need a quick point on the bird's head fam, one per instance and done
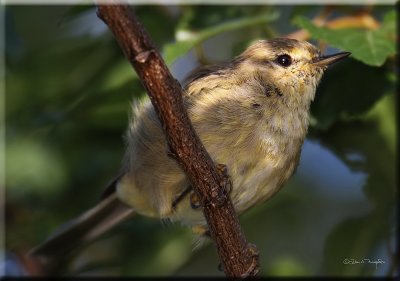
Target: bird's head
(293, 67)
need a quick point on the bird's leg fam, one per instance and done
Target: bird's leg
(227, 183)
(220, 198)
(194, 198)
(181, 196)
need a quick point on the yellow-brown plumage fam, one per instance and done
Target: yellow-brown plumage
(251, 114)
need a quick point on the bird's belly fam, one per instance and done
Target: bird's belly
(259, 184)
(252, 182)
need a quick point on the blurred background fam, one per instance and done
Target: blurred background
(68, 95)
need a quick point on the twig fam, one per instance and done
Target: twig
(238, 258)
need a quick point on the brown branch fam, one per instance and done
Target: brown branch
(238, 258)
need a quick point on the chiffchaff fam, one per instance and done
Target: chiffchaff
(251, 114)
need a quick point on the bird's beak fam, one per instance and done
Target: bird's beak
(328, 60)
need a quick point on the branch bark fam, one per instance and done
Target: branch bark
(238, 258)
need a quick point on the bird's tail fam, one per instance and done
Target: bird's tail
(88, 226)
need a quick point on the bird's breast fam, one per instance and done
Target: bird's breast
(265, 170)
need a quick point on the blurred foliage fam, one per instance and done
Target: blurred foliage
(68, 95)
(342, 101)
(173, 50)
(369, 46)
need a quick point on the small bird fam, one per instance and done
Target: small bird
(251, 114)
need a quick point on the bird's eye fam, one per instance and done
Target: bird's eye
(284, 60)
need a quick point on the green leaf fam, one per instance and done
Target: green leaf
(199, 17)
(173, 50)
(369, 46)
(384, 114)
(389, 22)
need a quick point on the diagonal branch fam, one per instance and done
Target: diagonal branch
(238, 258)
